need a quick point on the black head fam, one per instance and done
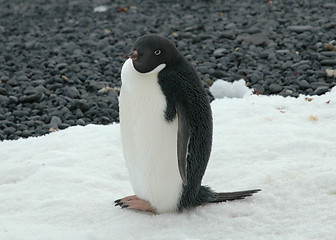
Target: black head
(152, 50)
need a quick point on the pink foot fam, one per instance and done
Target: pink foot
(133, 202)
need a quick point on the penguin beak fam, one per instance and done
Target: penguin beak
(134, 55)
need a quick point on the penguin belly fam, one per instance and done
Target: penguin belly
(149, 141)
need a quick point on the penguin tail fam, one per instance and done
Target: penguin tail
(231, 196)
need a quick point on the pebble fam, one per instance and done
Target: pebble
(80, 122)
(300, 28)
(218, 74)
(31, 98)
(20, 113)
(12, 82)
(220, 52)
(256, 76)
(321, 90)
(331, 62)
(81, 104)
(275, 88)
(228, 34)
(55, 122)
(3, 100)
(303, 84)
(71, 92)
(257, 39)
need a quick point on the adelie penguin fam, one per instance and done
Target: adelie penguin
(166, 130)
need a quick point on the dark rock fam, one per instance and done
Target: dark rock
(272, 57)
(264, 54)
(303, 67)
(220, 52)
(81, 104)
(2, 136)
(9, 130)
(300, 63)
(329, 5)
(257, 39)
(63, 126)
(258, 89)
(80, 122)
(38, 82)
(20, 113)
(12, 82)
(79, 113)
(29, 123)
(320, 90)
(71, 92)
(4, 78)
(331, 62)
(300, 29)
(228, 34)
(3, 91)
(202, 69)
(312, 80)
(316, 85)
(26, 133)
(3, 100)
(55, 122)
(22, 78)
(303, 84)
(256, 77)
(31, 98)
(74, 68)
(61, 66)
(219, 74)
(329, 53)
(275, 88)
(283, 51)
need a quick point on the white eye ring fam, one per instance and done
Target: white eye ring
(157, 52)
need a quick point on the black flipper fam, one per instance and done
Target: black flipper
(183, 138)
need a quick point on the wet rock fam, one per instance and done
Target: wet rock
(300, 29)
(220, 52)
(275, 88)
(303, 84)
(20, 113)
(320, 90)
(31, 98)
(257, 39)
(55, 122)
(71, 92)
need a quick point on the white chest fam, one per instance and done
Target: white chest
(149, 141)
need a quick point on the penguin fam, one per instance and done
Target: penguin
(166, 130)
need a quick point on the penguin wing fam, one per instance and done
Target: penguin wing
(183, 138)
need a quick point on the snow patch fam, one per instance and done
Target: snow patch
(100, 9)
(237, 89)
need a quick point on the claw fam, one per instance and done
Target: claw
(119, 203)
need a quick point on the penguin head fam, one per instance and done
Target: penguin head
(151, 51)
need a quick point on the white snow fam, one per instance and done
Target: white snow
(62, 185)
(100, 9)
(236, 89)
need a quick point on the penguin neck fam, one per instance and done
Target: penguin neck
(132, 79)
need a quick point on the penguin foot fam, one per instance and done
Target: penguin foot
(133, 202)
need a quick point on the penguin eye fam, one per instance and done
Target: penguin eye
(157, 52)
